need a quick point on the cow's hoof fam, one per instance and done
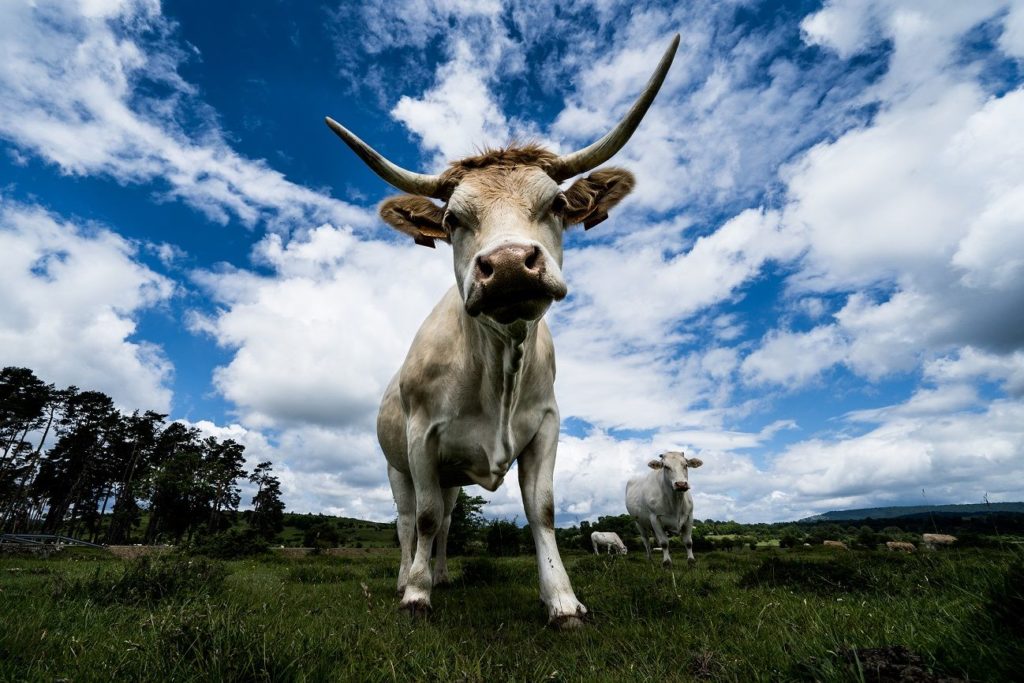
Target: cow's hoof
(442, 580)
(666, 563)
(566, 622)
(691, 560)
(416, 608)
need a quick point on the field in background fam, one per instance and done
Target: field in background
(745, 615)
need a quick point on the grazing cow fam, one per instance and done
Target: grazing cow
(931, 541)
(838, 545)
(476, 390)
(661, 499)
(608, 539)
(900, 546)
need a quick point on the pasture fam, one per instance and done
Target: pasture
(766, 614)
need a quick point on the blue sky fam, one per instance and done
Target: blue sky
(816, 286)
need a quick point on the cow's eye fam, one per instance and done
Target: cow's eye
(450, 222)
(558, 204)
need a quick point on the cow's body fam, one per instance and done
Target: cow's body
(839, 545)
(476, 390)
(660, 503)
(472, 398)
(934, 540)
(900, 546)
(609, 540)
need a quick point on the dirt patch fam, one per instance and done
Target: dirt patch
(893, 664)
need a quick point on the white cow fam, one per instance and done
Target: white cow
(608, 539)
(476, 390)
(660, 503)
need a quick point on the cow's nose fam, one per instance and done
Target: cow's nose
(508, 261)
(682, 486)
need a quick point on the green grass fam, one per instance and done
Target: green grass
(735, 616)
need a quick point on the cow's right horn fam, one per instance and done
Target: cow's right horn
(592, 156)
(406, 181)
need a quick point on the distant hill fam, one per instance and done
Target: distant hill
(896, 512)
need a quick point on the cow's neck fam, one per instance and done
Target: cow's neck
(505, 352)
(678, 498)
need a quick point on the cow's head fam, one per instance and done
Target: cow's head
(674, 466)
(504, 211)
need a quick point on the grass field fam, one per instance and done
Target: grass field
(743, 615)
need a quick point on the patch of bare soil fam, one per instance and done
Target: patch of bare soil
(893, 664)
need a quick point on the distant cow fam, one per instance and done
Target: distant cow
(607, 539)
(933, 540)
(660, 501)
(839, 545)
(900, 546)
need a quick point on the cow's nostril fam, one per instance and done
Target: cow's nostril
(484, 266)
(532, 258)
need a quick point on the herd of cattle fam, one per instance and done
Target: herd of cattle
(475, 393)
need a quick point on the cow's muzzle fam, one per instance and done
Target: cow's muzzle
(513, 282)
(681, 486)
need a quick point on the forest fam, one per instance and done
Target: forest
(74, 464)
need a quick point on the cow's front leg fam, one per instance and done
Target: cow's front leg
(441, 551)
(659, 533)
(405, 500)
(688, 537)
(536, 471)
(594, 543)
(429, 515)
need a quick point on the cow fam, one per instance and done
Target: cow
(610, 540)
(661, 498)
(931, 541)
(900, 546)
(838, 545)
(475, 393)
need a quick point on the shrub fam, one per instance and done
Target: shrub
(1006, 599)
(820, 577)
(231, 544)
(485, 572)
(502, 538)
(148, 580)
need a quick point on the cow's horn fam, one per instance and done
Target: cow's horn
(604, 149)
(406, 181)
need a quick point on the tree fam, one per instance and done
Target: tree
(467, 523)
(502, 538)
(267, 516)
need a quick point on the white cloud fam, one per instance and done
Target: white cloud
(317, 341)
(71, 76)
(71, 302)
(458, 115)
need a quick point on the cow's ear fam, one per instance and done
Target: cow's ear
(590, 199)
(656, 464)
(694, 462)
(417, 217)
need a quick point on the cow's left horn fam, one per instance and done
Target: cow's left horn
(604, 149)
(406, 181)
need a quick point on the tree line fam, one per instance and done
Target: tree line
(74, 464)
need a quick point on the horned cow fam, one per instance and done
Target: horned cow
(476, 390)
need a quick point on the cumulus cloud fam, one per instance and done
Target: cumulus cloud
(74, 77)
(72, 297)
(317, 340)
